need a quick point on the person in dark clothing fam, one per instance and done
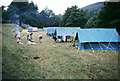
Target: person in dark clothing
(31, 35)
(55, 38)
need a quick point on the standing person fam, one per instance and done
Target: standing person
(27, 35)
(63, 38)
(16, 33)
(40, 37)
(28, 38)
(31, 35)
(19, 38)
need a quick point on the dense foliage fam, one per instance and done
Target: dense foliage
(108, 17)
(27, 13)
(74, 17)
(93, 9)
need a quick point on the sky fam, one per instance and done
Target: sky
(57, 6)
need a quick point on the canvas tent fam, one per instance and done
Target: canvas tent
(50, 31)
(34, 29)
(45, 28)
(98, 38)
(67, 31)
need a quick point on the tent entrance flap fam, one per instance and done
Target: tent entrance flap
(97, 45)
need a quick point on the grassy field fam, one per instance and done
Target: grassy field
(50, 60)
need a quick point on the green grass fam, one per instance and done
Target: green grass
(56, 60)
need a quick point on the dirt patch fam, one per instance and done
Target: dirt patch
(32, 57)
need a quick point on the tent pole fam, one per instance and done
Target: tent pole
(106, 47)
(113, 48)
(83, 48)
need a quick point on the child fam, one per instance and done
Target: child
(40, 37)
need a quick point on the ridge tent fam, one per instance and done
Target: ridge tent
(67, 32)
(50, 31)
(45, 28)
(98, 38)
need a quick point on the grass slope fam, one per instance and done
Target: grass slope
(54, 60)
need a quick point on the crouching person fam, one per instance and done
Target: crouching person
(55, 38)
(40, 37)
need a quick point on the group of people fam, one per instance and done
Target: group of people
(60, 38)
(27, 35)
(64, 39)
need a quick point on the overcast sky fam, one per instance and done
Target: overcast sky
(58, 6)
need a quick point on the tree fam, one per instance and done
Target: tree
(27, 13)
(92, 22)
(48, 18)
(73, 17)
(3, 15)
(109, 16)
(24, 12)
(55, 20)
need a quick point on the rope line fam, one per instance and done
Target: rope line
(91, 47)
(118, 44)
(110, 40)
(100, 46)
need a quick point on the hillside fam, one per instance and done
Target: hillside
(50, 60)
(93, 9)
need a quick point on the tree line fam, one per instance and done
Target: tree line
(27, 13)
(108, 17)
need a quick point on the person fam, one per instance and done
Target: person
(15, 33)
(19, 38)
(31, 35)
(27, 35)
(40, 37)
(19, 41)
(75, 40)
(63, 38)
(59, 38)
(55, 38)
